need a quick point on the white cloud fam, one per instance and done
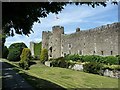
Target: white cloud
(71, 17)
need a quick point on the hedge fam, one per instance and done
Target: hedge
(94, 58)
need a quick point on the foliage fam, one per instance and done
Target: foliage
(92, 67)
(44, 55)
(94, 58)
(60, 62)
(15, 51)
(37, 50)
(5, 52)
(111, 60)
(14, 55)
(25, 58)
(111, 67)
(74, 57)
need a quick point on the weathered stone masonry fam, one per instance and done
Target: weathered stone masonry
(102, 40)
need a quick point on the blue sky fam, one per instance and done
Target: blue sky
(72, 17)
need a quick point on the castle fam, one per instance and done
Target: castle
(102, 40)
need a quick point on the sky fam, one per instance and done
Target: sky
(71, 17)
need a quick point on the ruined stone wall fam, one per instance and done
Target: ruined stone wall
(99, 41)
(45, 39)
(32, 44)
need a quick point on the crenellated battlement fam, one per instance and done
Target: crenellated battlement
(57, 27)
(108, 26)
(102, 40)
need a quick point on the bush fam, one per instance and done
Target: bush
(111, 67)
(15, 51)
(60, 62)
(5, 52)
(44, 55)
(111, 60)
(25, 58)
(14, 55)
(95, 58)
(74, 57)
(92, 67)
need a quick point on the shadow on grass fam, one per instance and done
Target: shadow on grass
(32, 63)
(38, 83)
(35, 82)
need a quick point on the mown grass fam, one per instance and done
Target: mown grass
(41, 76)
(72, 79)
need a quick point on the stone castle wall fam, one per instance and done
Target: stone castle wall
(99, 41)
(32, 44)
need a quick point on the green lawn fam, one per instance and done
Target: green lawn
(40, 75)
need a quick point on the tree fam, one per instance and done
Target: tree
(22, 15)
(15, 51)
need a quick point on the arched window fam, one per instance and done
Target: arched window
(101, 52)
(111, 52)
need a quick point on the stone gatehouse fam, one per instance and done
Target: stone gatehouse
(101, 40)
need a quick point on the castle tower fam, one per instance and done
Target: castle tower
(56, 46)
(32, 48)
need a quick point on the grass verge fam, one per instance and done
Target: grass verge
(41, 76)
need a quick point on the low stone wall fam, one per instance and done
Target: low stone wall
(76, 67)
(111, 73)
(79, 67)
(48, 63)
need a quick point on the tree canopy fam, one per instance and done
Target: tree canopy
(21, 16)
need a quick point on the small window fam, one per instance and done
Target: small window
(64, 54)
(111, 52)
(69, 52)
(93, 52)
(50, 55)
(101, 52)
(69, 45)
(80, 52)
(50, 51)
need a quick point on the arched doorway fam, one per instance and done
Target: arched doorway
(50, 51)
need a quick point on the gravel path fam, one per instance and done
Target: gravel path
(12, 80)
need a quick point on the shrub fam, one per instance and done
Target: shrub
(92, 67)
(15, 51)
(44, 55)
(25, 58)
(111, 60)
(60, 62)
(95, 58)
(74, 57)
(14, 55)
(5, 52)
(111, 67)
(91, 58)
